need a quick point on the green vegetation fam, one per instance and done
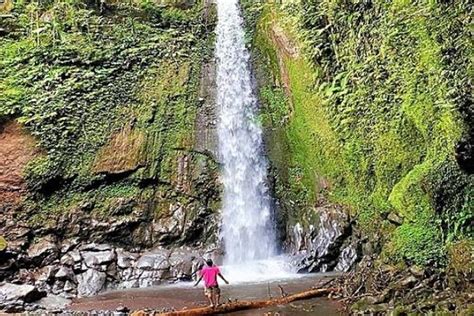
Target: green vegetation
(108, 89)
(377, 97)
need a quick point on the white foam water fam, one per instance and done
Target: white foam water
(248, 228)
(262, 270)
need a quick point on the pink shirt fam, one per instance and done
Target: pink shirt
(209, 275)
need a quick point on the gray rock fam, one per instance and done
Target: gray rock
(181, 264)
(156, 260)
(347, 258)
(298, 237)
(112, 271)
(323, 248)
(146, 263)
(46, 273)
(69, 286)
(125, 259)
(67, 260)
(64, 273)
(96, 247)
(394, 218)
(150, 278)
(76, 256)
(91, 282)
(332, 227)
(68, 245)
(16, 307)
(99, 257)
(122, 309)
(10, 293)
(43, 252)
(17, 237)
(58, 287)
(171, 227)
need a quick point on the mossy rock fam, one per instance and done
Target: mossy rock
(3, 243)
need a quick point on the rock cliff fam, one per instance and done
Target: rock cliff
(107, 144)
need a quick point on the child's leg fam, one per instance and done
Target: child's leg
(218, 295)
(208, 293)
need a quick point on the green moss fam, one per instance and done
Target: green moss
(418, 242)
(87, 83)
(377, 122)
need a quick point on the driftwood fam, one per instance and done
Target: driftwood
(243, 305)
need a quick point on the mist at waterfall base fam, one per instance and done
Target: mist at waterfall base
(248, 229)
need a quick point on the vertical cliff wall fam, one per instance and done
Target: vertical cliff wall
(109, 96)
(368, 107)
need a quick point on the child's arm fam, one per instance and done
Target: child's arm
(199, 280)
(222, 277)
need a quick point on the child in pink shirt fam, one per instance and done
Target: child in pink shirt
(211, 288)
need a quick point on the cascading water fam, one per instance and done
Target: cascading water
(248, 226)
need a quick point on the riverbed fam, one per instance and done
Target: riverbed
(185, 295)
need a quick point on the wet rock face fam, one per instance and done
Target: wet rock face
(326, 246)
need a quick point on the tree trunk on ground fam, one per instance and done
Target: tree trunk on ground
(243, 305)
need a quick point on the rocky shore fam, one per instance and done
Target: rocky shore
(46, 271)
(79, 270)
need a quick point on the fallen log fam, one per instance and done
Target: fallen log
(243, 305)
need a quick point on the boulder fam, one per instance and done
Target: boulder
(10, 293)
(125, 259)
(68, 245)
(91, 282)
(64, 273)
(17, 236)
(155, 260)
(99, 257)
(47, 273)
(347, 258)
(76, 256)
(168, 229)
(324, 246)
(181, 265)
(58, 287)
(43, 252)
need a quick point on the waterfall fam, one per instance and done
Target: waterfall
(247, 225)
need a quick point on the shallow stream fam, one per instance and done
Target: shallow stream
(183, 295)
